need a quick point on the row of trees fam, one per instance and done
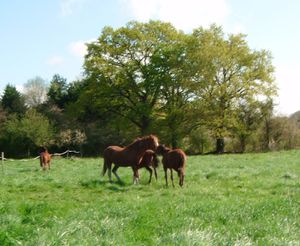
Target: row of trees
(198, 91)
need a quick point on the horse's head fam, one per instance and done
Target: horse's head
(162, 149)
(149, 142)
(42, 149)
(153, 142)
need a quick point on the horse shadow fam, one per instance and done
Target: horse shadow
(28, 170)
(113, 186)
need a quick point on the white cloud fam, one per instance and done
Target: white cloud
(55, 60)
(289, 86)
(185, 15)
(79, 48)
(67, 7)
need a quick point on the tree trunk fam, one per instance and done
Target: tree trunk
(220, 144)
(267, 137)
(145, 123)
(243, 143)
(174, 141)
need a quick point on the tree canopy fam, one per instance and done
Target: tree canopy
(199, 90)
(147, 71)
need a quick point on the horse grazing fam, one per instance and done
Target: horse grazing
(129, 156)
(45, 158)
(148, 161)
(173, 159)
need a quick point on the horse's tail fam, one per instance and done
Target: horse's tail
(41, 160)
(182, 169)
(181, 176)
(104, 167)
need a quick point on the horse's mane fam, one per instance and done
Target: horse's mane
(43, 149)
(137, 141)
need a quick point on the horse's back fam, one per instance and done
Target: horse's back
(45, 157)
(114, 154)
(175, 158)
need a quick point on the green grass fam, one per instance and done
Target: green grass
(250, 199)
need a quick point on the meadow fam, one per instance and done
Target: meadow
(248, 199)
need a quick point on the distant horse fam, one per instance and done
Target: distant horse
(173, 159)
(149, 161)
(129, 156)
(45, 158)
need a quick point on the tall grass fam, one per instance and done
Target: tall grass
(249, 199)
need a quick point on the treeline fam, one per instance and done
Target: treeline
(204, 91)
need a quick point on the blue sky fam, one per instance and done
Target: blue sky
(41, 38)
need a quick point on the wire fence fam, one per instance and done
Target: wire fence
(67, 152)
(3, 159)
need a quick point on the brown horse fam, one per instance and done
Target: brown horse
(173, 159)
(45, 159)
(129, 156)
(149, 161)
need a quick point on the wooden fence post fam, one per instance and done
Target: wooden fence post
(2, 161)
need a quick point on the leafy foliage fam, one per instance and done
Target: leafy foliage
(127, 69)
(12, 101)
(204, 92)
(231, 74)
(58, 90)
(23, 135)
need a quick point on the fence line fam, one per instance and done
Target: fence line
(37, 157)
(66, 153)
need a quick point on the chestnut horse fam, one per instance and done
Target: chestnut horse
(45, 159)
(173, 159)
(149, 161)
(129, 156)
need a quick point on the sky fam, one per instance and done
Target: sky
(43, 38)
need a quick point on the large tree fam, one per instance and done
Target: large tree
(35, 91)
(58, 91)
(12, 100)
(177, 92)
(126, 70)
(229, 72)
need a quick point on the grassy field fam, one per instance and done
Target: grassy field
(250, 199)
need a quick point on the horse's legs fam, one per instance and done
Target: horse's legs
(181, 177)
(172, 177)
(44, 165)
(109, 174)
(166, 176)
(107, 167)
(136, 175)
(114, 170)
(150, 171)
(155, 173)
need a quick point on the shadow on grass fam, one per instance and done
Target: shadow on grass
(114, 186)
(28, 170)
